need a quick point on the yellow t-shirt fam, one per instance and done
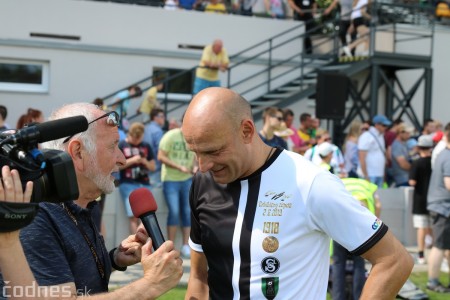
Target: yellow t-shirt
(209, 56)
(217, 8)
(304, 136)
(150, 101)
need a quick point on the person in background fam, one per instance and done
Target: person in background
(214, 59)
(62, 246)
(285, 133)
(438, 204)
(400, 158)
(255, 208)
(372, 151)
(32, 116)
(215, 6)
(134, 173)
(152, 135)
(304, 132)
(297, 143)
(186, 4)
(3, 115)
(366, 193)
(176, 176)
(429, 127)
(304, 11)
(274, 8)
(170, 4)
(122, 102)
(389, 137)
(351, 160)
(150, 101)
(419, 178)
(346, 7)
(360, 17)
(336, 157)
(272, 119)
(245, 7)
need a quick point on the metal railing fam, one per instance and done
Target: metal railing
(278, 60)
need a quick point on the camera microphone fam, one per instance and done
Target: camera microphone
(48, 131)
(143, 206)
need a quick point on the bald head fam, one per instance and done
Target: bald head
(217, 46)
(218, 106)
(218, 126)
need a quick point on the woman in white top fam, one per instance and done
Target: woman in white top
(359, 18)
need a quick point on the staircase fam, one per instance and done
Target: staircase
(276, 72)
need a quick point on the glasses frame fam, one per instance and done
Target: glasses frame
(113, 117)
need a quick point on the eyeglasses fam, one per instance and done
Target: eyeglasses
(112, 120)
(279, 118)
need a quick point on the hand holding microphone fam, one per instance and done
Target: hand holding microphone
(143, 206)
(164, 265)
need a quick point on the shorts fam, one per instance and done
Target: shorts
(200, 84)
(422, 221)
(358, 22)
(125, 189)
(441, 232)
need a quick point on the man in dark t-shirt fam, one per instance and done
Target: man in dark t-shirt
(419, 177)
(304, 10)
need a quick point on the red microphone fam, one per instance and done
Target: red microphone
(143, 206)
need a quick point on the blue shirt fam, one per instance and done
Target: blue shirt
(58, 253)
(276, 141)
(152, 135)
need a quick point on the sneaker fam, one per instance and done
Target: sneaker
(186, 251)
(438, 288)
(347, 51)
(421, 260)
(444, 266)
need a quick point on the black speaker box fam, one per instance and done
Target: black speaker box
(331, 94)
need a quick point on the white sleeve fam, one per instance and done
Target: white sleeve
(334, 211)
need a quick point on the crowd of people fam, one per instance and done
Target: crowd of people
(231, 187)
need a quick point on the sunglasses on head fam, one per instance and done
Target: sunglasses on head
(112, 119)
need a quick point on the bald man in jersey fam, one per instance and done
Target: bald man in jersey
(262, 217)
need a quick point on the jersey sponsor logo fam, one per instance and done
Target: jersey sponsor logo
(269, 287)
(276, 196)
(270, 265)
(270, 244)
(376, 224)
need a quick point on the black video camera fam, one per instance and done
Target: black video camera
(52, 171)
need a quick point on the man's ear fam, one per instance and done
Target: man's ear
(247, 130)
(75, 151)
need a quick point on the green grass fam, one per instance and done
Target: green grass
(419, 278)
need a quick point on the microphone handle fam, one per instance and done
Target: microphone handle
(154, 231)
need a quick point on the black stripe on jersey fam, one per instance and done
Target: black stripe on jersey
(372, 241)
(246, 236)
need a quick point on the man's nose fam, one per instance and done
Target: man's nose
(204, 164)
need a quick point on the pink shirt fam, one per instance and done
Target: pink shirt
(296, 140)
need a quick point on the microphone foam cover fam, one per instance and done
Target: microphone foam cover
(142, 202)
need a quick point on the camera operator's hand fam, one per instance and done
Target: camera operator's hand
(11, 191)
(162, 269)
(129, 251)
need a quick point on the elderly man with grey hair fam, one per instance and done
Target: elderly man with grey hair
(65, 250)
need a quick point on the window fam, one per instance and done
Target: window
(181, 82)
(24, 75)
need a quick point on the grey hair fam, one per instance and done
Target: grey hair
(70, 110)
